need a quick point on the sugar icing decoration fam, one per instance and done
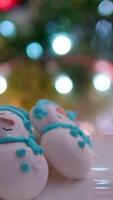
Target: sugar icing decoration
(30, 142)
(21, 153)
(61, 111)
(81, 144)
(72, 115)
(39, 113)
(74, 131)
(22, 114)
(25, 167)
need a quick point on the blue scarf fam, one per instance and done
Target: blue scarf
(30, 142)
(55, 125)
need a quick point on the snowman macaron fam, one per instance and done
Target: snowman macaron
(67, 148)
(23, 167)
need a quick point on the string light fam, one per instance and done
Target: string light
(34, 50)
(7, 28)
(3, 85)
(63, 84)
(61, 43)
(105, 8)
(102, 82)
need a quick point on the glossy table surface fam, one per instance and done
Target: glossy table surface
(98, 185)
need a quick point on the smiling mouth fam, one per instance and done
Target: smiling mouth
(7, 129)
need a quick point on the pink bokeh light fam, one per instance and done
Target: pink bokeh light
(8, 4)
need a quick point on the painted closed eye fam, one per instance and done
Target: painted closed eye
(60, 116)
(61, 113)
(7, 129)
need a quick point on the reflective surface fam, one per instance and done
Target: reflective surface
(97, 186)
(102, 174)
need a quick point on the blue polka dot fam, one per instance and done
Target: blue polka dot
(20, 153)
(81, 144)
(25, 167)
(74, 132)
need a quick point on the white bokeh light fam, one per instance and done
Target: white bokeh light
(3, 85)
(61, 43)
(63, 84)
(34, 50)
(7, 28)
(105, 8)
(102, 82)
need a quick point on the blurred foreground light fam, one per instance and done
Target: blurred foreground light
(102, 82)
(34, 50)
(61, 43)
(103, 28)
(7, 28)
(63, 84)
(105, 8)
(3, 85)
(8, 4)
(87, 127)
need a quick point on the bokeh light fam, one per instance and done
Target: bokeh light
(63, 84)
(87, 127)
(34, 50)
(3, 85)
(8, 4)
(104, 124)
(103, 28)
(7, 28)
(105, 8)
(61, 43)
(104, 67)
(102, 82)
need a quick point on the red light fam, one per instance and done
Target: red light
(8, 4)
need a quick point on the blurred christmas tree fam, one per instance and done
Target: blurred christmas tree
(44, 39)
